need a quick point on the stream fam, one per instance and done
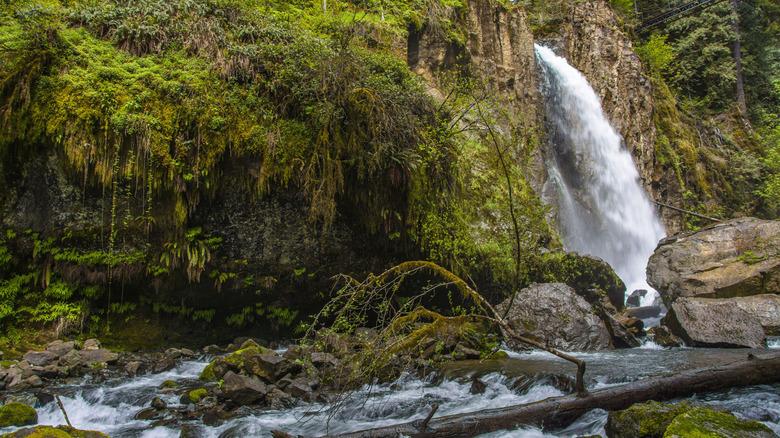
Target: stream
(110, 405)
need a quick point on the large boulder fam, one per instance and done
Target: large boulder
(553, 314)
(702, 322)
(765, 308)
(243, 390)
(704, 422)
(729, 259)
(17, 414)
(646, 420)
(591, 277)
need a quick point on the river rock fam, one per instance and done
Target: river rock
(765, 308)
(90, 357)
(619, 333)
(91, 344)
(243, 390)
(635, 298)
(705, 422)
(730, 259)
(647, 420)
(40, 358)
(264, 365)
(644, 312)
(702, 322)
(553, 314)
(17, 414)
(60, 348)
(54, 432)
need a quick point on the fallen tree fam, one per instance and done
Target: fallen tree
(560, 411)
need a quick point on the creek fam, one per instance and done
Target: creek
(109, 405)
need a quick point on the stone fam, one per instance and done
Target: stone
(40, 358)
(646, 420)
(705, 423)
(134, 368)
(299, 388)
(264, 365)
(197, 395)
(477, 386)
(243, 390)
(61, 348)
(278, 399)
(322, 359)
(158, 403)
(17, 414)
(54, 432)
(163, 365)
(635, 298)
(462, 352)
(91, 344)
(213, 349)
(644, 312)
(92, 356)
(553, 314)
(147, 414)
(702, 322)
(620, 335)
(729, 259)
(765, 308)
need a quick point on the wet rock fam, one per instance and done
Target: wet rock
(706, 422)
(158, 403)
(213, 349)
(635, 298)
(163, 365)
(644, 312)
(54, 432)
(17, 414)
(91, 344)
(765, 308)
(621, 336)
(553, 314)
(647, 420)
(135, 368)
(477, 386)
(278, 399)
(702, 322)
(300, 388)
(148, 414)
(40, 358)
(726, 260)
(61, 348)
(90, 357)
(322, 359)
(462, 352)
(264, 365)
(243, 390)
(197, 395)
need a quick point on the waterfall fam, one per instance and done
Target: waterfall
(602, 209)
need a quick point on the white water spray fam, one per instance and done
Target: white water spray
(603, 209)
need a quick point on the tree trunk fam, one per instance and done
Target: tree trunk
(741, 102)
(561, 411)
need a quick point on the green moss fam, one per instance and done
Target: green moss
(169, 384)
(705, 423)
(208, 373)
(648, 420)
(17, 414)
(197, 395)
(54, 432)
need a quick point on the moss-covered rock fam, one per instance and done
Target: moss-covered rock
(17, 414)
(706, 423)
(648, 420)
(208, 373)
(54, 432)
(235, 360)
(197, 395)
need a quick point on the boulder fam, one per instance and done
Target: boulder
(644, 312)
(702, 322)
(662, 337)
(553, 314)
(90, 357)
(635, 299)
(40, 358)
(765, 308)
(158, 403)
(264, 365)
(61, 348)
(647, 420)
(726, 260)
(243, 390)
(134, 368)
(91, 344)
(54, 432)
(592, 278)
(705, 422)
(17, 414)
(620, 335)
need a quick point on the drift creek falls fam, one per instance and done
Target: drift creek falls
(259, 219)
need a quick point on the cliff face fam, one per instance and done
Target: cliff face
(498, 51)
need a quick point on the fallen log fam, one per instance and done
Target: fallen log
(561, 411)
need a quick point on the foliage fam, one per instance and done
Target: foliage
(657, 54)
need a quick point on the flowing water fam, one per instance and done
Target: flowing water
(603, 210)
(110, 405)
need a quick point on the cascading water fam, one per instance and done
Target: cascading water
(603, 210)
